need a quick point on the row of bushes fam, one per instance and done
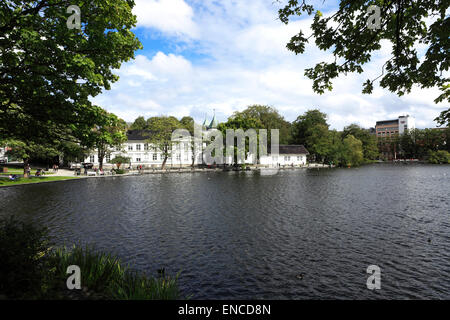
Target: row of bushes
(31, 269)
(440, 156)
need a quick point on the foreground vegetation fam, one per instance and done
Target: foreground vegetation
(31, 269)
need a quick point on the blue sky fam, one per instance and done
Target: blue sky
(201, 55)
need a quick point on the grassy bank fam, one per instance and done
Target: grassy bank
(4, 181)
(31, 269)
(15, 170)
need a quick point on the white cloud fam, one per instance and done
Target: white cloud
(173, 17)
(238, 58)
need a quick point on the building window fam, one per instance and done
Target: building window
(145, 146)
(178, 157)
(298, 158)
(92, 158)
(155, 157)
(138, 159)
(108, 158)
(138, 147)
(186, 147)
(130, 147)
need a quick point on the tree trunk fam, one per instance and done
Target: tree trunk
(193, 155)
(100, 163)
(101, 156)
(165, 152)
(25, 166)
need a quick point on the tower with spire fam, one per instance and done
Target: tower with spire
(213, 124)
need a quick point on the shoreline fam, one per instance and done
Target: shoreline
(167, 171)
(195, 170)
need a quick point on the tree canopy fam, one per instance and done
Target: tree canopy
(48, 72)
(305, 122)
(139, 124)
(270, 119)
(107, 135)
(404, 23)
(161, 134)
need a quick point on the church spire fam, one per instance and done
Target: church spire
(214, 123)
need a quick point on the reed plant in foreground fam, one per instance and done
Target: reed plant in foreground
(31, 269)
(105, 276)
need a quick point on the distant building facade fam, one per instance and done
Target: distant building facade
(387, 128)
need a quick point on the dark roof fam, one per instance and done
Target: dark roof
(292, 149)
(387, 122)
(138, 134)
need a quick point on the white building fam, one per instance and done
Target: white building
(3, 157)
(147, 155)
(289, 155)
(141, 153)
(406, 123)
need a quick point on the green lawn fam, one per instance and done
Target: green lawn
(6, 182)
(14, 170)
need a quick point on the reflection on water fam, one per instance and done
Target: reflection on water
(245, 235)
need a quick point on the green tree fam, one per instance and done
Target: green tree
(408, 144)
(334, 155)
(270, 119)
(72, 151)
(188, 123)
(352, 152)
(403, 24)
(161, 129)
(49, 72)
(118, 160)
(318, 141)
(139, 124)
(30, 150)
(437, 157)
(304, 122)
(110, 133)
(369, 141)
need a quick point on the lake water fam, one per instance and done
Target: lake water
(300, 234)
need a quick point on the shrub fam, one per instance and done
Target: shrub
(440, 156)
(24, 266)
